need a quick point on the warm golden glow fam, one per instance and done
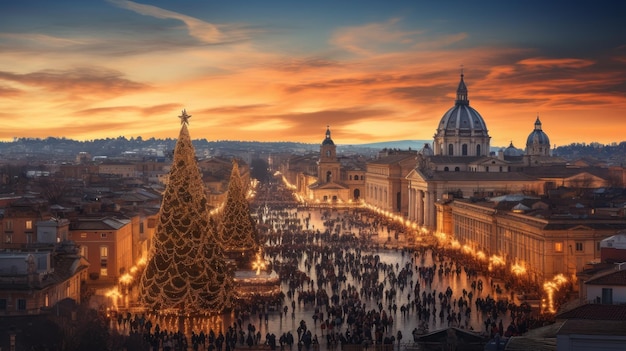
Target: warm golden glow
(518, 269)
(550, 287)
(259, 264)
(495, 261)
(455, 244)
(126, 279)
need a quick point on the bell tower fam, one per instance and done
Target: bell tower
(328, 167)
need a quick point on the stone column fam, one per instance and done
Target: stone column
(428, 209)
(419, 207)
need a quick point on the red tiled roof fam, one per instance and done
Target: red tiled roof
(596, 312)
(613, 278)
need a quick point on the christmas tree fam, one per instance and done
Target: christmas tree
(237, 228)
(186, 271)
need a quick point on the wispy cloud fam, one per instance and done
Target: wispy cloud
(545, 62)
(373, 38)
(207, 32)
(84, 82)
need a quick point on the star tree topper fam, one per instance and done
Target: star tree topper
(184, 117)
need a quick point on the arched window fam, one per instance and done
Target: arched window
(350, 176)
(446, 169)
(457, 169)
(464, 150)
(478, 150)
(450, 150)
(329, 176)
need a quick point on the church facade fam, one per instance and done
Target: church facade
(461, 165)
(327, 178)
(529, 208)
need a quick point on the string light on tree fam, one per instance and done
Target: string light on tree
(186, 271)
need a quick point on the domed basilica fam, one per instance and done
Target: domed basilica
(461, 163)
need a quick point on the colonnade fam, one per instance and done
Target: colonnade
(422, 207)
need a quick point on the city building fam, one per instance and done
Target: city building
(107, 243)
(32, 281)
(545, 235)
(385, 181)
(326, 177)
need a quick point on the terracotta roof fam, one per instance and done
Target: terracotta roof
(611, 278)
(391, 159)
(596, 312)
(596, 327)
(486, 176)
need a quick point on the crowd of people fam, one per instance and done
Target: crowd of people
(337, 276)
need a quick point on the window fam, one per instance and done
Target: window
(83, 235)
(464, 150)
(579, 247)
(3, 304)
(103, 235)
(104, 272)
(457, 169)
(9, 225)
(450, 150)
(477, 150)
(21, 304)
(607, 296)
(29, 225)
(558, 247)
(8, 238)
(446, 169)
(83, 251)
(104, 251)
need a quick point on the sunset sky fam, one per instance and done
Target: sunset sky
(283, 70)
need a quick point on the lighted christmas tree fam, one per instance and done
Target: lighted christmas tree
(186, 271)
(236, 227)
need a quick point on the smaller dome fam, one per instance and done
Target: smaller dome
(328, 140)
(426, 150)
(512, 151)
(538, 136)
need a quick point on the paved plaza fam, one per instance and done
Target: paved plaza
(381, 243)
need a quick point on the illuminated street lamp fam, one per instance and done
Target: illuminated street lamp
(259, 263)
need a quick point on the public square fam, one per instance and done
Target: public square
(353, 270)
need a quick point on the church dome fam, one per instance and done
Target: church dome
(462, 130)
(512, 151)
(327, 139)
(461, 119)
(538, 136)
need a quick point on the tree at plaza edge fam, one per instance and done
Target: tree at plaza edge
(186, 271)
(236, 227)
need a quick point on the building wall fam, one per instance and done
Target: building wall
(115, 243)
(595, 291)
(120, 169)
(522, 239)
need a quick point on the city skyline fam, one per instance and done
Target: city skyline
(283, 71)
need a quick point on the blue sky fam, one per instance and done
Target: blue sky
(283, 70)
